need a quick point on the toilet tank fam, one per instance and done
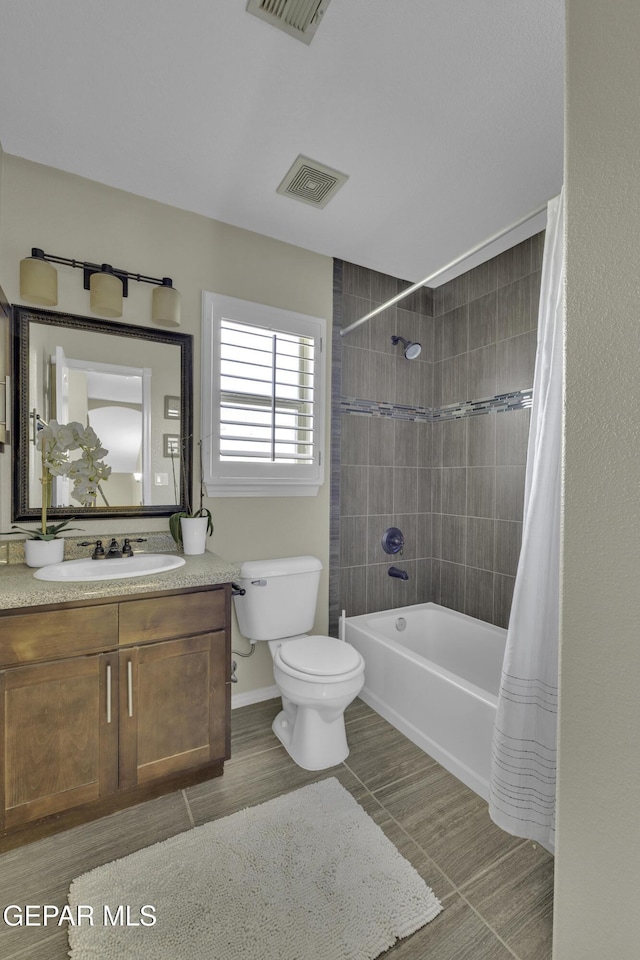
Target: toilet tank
(280, 598)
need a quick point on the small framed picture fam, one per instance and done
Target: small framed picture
(171, 444)
(172, 408)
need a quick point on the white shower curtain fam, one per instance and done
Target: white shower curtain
(523, 762)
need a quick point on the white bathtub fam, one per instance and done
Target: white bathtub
(436, 681)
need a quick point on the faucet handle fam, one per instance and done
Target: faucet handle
(393, 540)
(127, 550)
(98, 553)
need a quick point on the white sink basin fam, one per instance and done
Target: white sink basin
(140, 565)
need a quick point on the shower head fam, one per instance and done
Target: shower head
(411, 349)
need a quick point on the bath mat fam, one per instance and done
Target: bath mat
(307, 876)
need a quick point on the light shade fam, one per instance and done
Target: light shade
(105, 297)
(165, 304)
(38, 280)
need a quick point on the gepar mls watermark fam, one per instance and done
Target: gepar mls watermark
(51, 915)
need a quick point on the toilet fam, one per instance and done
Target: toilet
(318, 677)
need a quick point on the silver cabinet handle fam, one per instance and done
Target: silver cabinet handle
(130, 687)
(108, 693)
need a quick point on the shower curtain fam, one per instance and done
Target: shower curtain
(523, 762)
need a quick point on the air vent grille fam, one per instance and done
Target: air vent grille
(298, 18)
(311, 182)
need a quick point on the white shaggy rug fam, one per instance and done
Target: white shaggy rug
(307, 876)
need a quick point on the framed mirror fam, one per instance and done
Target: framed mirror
(132, 385)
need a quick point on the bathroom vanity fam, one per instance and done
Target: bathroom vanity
(118, 693)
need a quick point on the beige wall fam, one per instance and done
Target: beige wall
(73, 217)
(4, 342)
(598, 850)
(1, 169)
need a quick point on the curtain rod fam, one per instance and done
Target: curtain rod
(448, 266)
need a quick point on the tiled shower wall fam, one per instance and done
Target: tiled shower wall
(410, 450)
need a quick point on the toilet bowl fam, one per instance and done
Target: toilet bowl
(317, 676)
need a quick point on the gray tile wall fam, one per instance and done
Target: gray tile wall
(485, 328)
(384, 462)
(478, 469)
(454, 487)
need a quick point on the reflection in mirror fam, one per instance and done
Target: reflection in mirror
(116, 378)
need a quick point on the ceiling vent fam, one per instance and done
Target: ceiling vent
(298, 18)
(311, 182)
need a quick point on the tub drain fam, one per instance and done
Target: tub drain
(401, 623)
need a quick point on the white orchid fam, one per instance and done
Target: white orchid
(55, 442)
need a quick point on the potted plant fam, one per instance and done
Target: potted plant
(190, 528)
(55, 441)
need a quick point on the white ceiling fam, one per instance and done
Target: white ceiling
(446, 114)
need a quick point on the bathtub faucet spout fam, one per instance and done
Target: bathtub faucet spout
(400, 574)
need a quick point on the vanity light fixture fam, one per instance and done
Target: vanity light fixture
(38, 280)
(165, 304)
(105, 292)
(107, 286)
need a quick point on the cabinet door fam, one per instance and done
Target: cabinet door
(172, 707)
(60, 738)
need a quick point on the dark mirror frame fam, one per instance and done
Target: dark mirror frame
(21, 319)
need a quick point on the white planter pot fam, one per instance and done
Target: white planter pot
(194, 534)
(40, 553)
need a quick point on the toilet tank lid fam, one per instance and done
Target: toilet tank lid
(285, 566)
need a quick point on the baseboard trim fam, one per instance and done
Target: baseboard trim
(253, 696)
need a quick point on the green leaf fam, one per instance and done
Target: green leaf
(51, 532)
(174, 527)
(203, 512)
(55, 528)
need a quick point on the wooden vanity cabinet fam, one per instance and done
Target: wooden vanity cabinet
(105, 704)
(60, 748)
(175, 696)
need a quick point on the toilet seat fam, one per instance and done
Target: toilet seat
(319, 659)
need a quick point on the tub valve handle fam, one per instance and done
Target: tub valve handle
(393, 540)
(398, 573)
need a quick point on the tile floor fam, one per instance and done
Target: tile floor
(496, 889)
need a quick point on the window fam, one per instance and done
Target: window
(262, 399)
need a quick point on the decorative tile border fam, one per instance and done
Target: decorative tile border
(517, 400)
(373, 408)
